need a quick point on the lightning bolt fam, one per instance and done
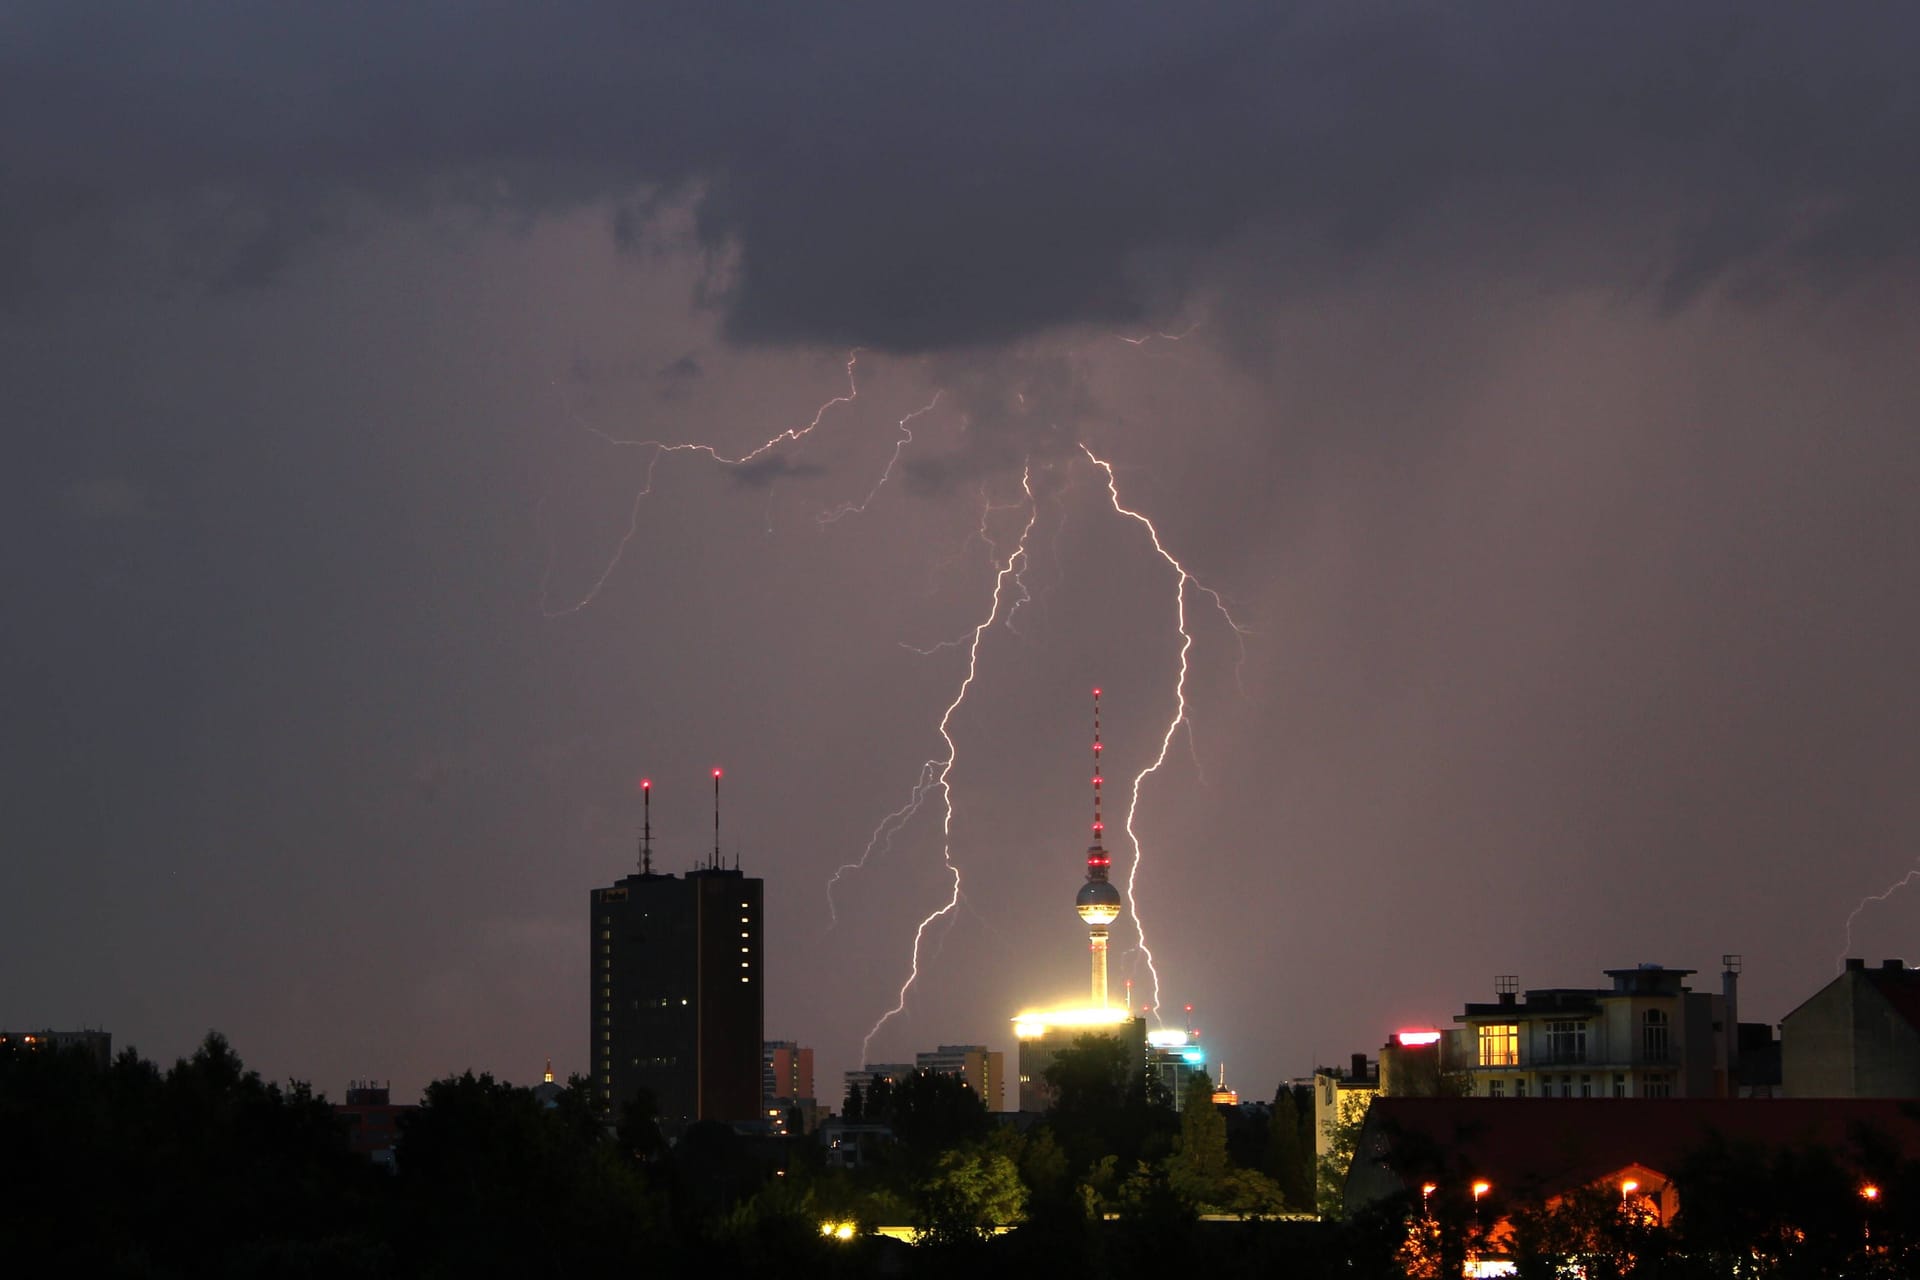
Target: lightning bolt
(904, 439)
(1006, 569)
(662, 447)
(883, 835)
(1183, 580)
(1841, 960)
(1145, 338)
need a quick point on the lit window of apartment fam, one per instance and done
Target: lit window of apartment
(1500, 1045)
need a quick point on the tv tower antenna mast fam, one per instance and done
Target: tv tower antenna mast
(1098, 902)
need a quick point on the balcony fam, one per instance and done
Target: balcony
(1570, 1058)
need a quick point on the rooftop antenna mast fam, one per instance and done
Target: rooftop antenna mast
(646, 826)
(716, 817)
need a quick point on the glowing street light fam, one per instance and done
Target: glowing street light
(1480, 1189)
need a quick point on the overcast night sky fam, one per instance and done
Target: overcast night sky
(1536, 385)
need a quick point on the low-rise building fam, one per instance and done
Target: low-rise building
(373, 1120)
(1856, 1037)
(97, 1043)
(1648, 1035)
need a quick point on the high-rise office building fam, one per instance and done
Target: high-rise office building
(677, 997)
(786, 1071)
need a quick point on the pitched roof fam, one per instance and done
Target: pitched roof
(1550, 1144)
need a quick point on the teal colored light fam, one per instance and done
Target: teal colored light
(1193, 1055)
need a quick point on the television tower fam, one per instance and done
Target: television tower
(1098, 902)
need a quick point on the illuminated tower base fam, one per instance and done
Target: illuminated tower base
(1097, 936)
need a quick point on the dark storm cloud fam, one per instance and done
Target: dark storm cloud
(1014, 407)
(681, 370)
(920, 179)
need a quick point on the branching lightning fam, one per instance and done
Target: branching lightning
(1010, 592)
(1008, 568)
(883, 834)
(904, 439)
(1841, 960)
(661, 447)
(1179, 693)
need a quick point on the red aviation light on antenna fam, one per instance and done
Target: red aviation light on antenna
(716, 771)
(646, 784)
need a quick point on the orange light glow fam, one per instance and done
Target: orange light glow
(1481, 1188)
(1628, 1187)
(1869, 1192)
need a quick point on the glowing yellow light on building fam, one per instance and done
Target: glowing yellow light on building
(1030, 1024)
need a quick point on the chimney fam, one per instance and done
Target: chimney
(1359, 1066)
(1730, 1014)
(1892, 966)
(1855, 964)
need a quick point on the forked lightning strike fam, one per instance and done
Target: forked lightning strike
(883, 835)
(1179, 693)
(661, 447)
(1009, 568)
(1882, 896)
(904, 439)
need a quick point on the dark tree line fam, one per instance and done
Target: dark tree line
(204, 1169)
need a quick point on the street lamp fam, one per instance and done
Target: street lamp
(1871, 1195)
(1426, 1198)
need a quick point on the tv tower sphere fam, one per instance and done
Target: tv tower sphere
(1098, 902)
